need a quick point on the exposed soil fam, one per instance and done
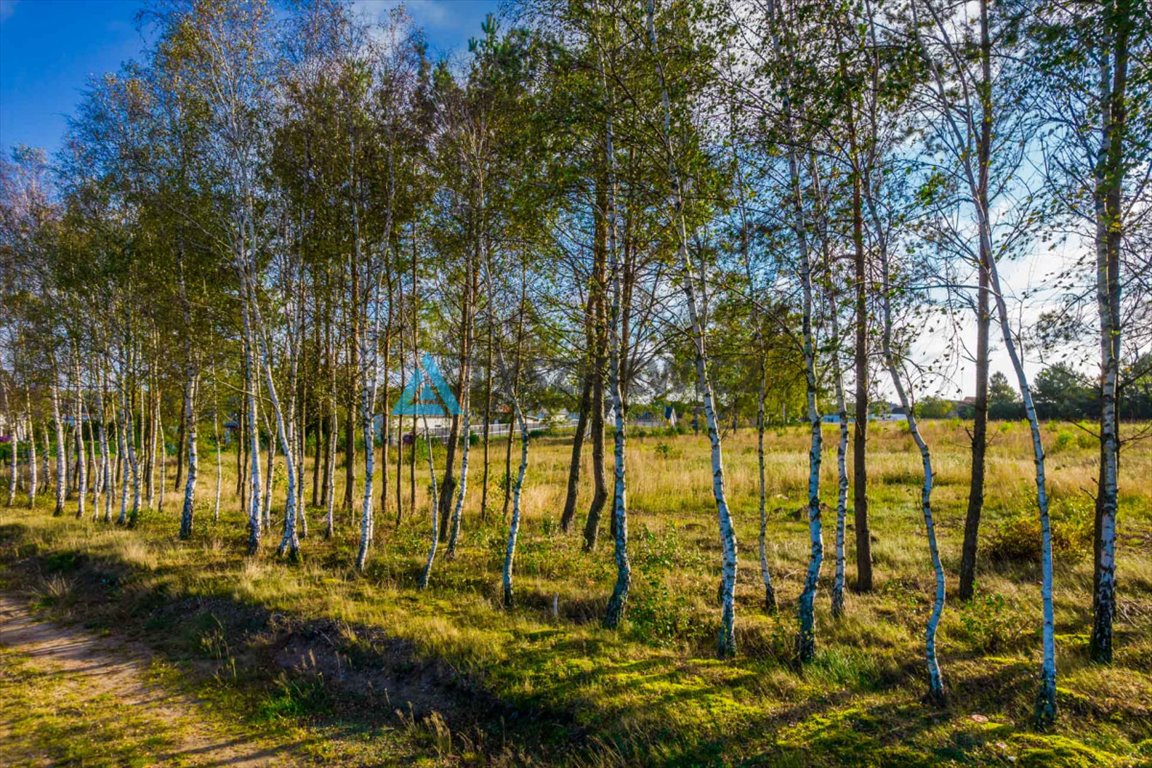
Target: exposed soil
(90, 667)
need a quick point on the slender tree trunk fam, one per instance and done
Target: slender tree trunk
(1046, 700)
(806, 641)
(486, 438)
(188, 429)
(33, 478)
(569, 513)
(269, 469)
(448, 481)
(983, 321)
(619, 600)
(599, 361)
(979, 441)
(935, 678)
(61, 471)
(842, 475)
(426, 574)
(14, 465)
(123, 433)
(330, 470)
(726, 641)
(219, 461)
(400, 426)
(105, 452)
(254, 506)
(1109, 239)
(508, 469)
(518, 415)
(860, 427)
(81, 469)
(466, 407)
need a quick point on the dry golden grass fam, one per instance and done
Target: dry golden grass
(652, 692)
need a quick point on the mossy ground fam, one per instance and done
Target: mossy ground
(652, 692)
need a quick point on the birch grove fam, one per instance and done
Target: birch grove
(289, 235)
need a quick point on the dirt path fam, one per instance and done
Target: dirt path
(70, 692)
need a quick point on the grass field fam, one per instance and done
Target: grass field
(465, 680)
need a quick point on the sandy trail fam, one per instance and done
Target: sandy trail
(89, 666)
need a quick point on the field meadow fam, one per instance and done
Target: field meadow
(448, 676)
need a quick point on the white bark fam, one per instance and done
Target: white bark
(47, 458)
(366, 517)
(454, 535)
(514, 525)
(726, 641)
(81, 468)
(32, 468)
(289, 542)
(269, 470)
(186, 516)
(330, 471)
(842, 487)
(806, 640)
(105, 452)
(935, 678)
(619, 600)
(122, 455)
(15, 463)
(254, 505)
(219, 463)
(61, 469)
(1046, 701)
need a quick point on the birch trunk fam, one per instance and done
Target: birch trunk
(219, 462)
(81, 469)
(806, 641)
(254, 506)
(726, 641)
(366, 519)
(105, 452)
(13, 478)
(466, 407)
(574, 464)
(599, 355)
(514, 525)
(47, 459)
(189, 430)
(454, 535)
(1109, 201)
(426, 574)
(269, 469)
(619, 600)
(935, 678)
(1046, 699)
(290, 541)
(806, 638)
(61, 470)
(122, 457)
(842, 477)
(830, 281)
(33, 477)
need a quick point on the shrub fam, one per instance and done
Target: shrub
(1063, 442)
(656, 615)
(988, 626)
(1016, 537)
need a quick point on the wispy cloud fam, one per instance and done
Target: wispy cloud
(447, 23)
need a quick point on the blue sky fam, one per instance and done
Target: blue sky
(49, 49)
